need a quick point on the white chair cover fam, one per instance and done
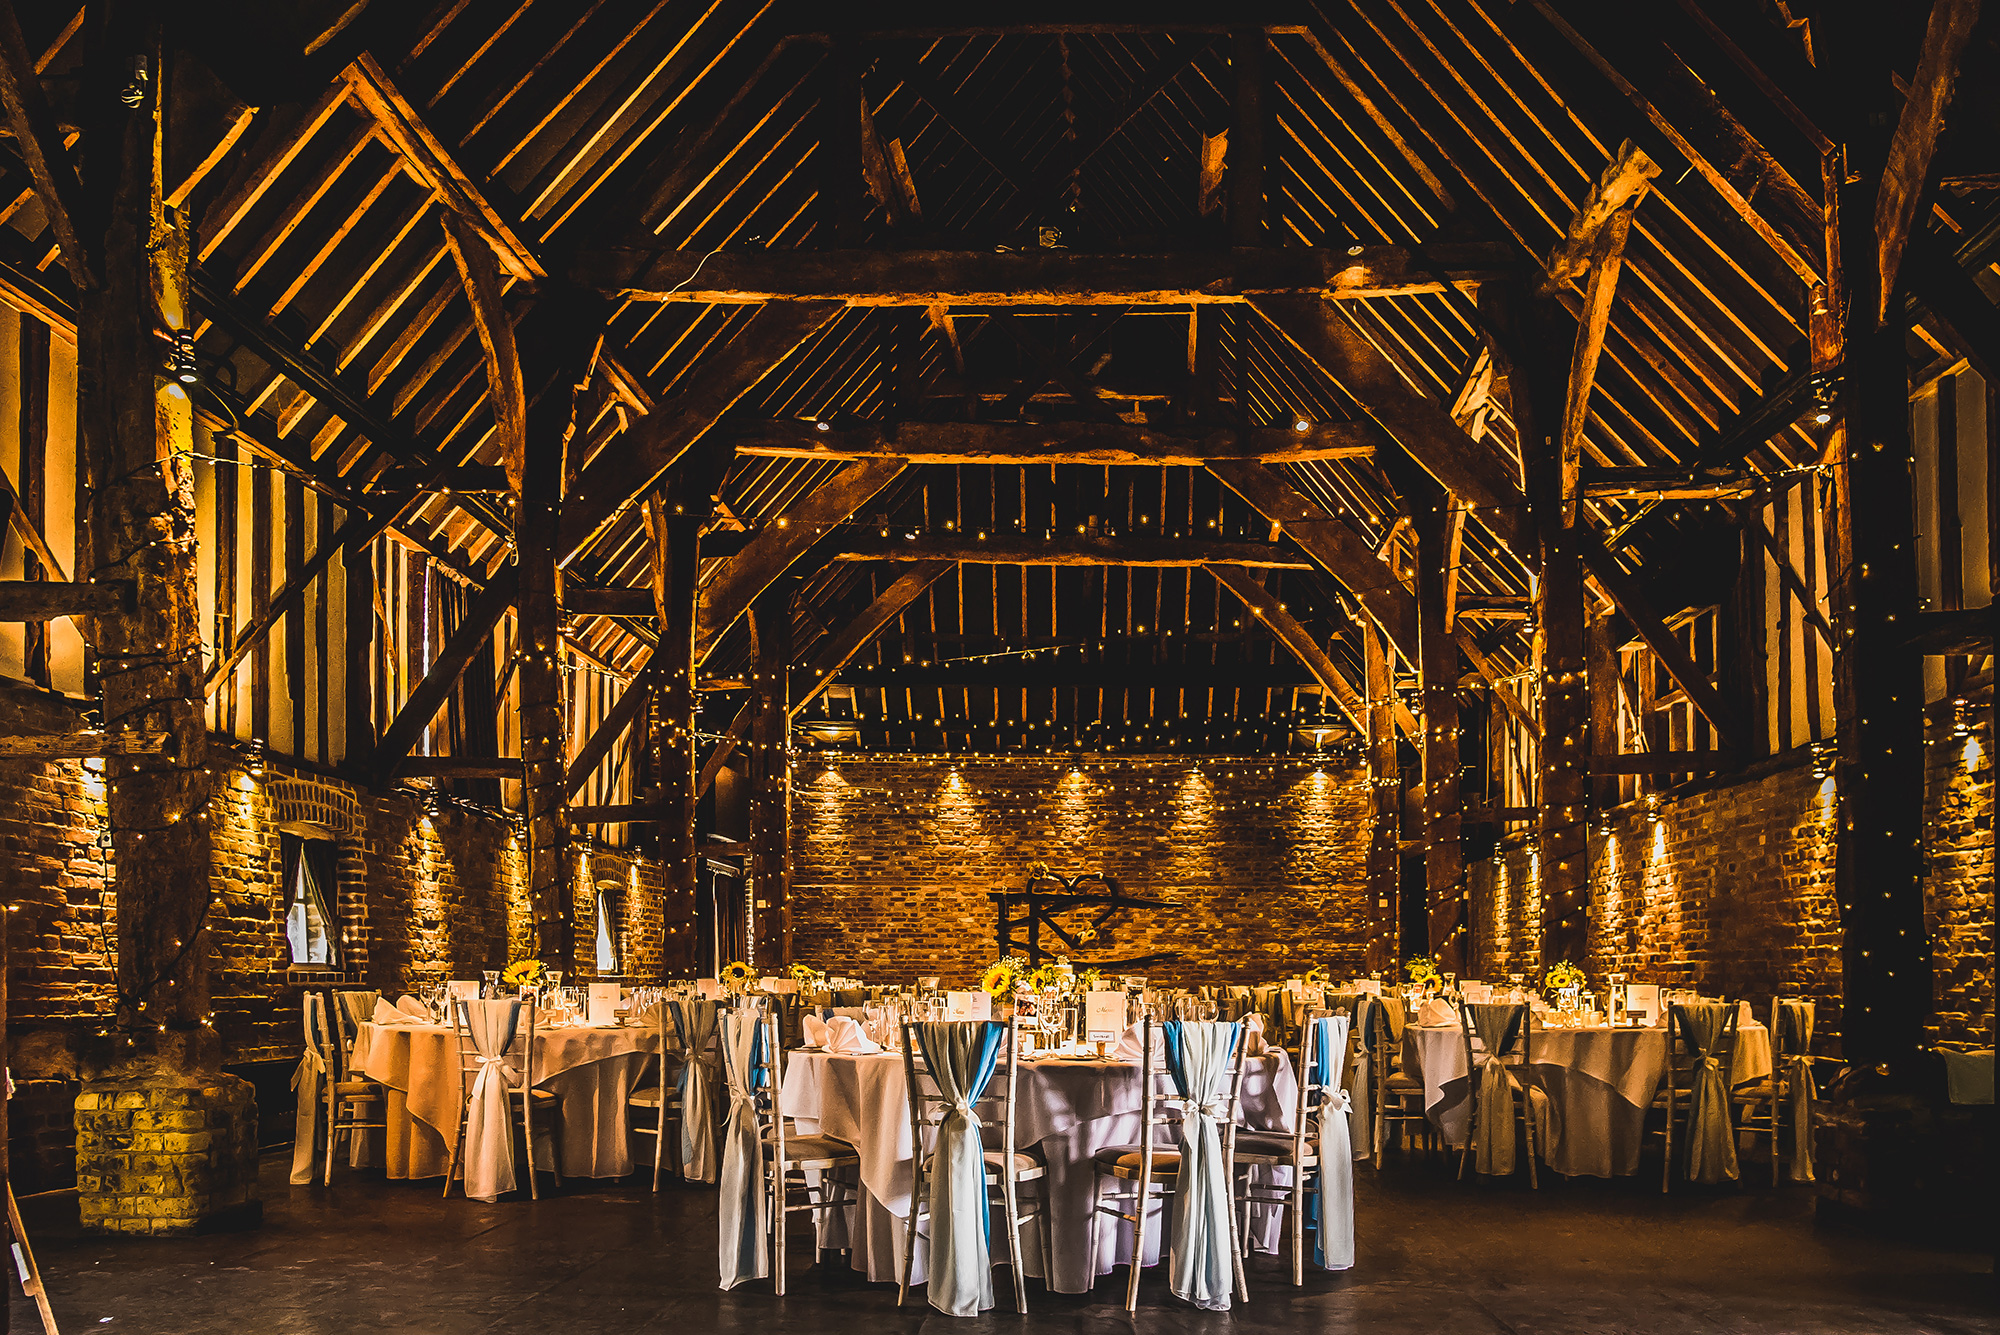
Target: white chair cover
(308, 1080)
(1493, 1139)
(961, 1057)
(1333, 1204)
(1361, 1095)
(1711, 1151)
(1794, 1040)
(743, 1209)
(488, 1153)
(695, 1023)
(1200, 1266)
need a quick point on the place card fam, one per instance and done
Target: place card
(461, 990)
(1103, 1016)
(968, 1006)
(709, 989)
(1371, 987)
(602, 1007)
(1642, 1003)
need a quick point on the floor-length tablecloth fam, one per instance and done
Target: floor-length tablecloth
(1600, 1082)
(1066, 1109)
(590, 1069)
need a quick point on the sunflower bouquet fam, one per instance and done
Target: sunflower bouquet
(807, 976)
(1564, 975)
(1423, 973)
(1004, 976)
(736, 975)
(524, 973)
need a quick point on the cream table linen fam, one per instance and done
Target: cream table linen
(590, 1070)
(1067, 1109)
(1600, 1081)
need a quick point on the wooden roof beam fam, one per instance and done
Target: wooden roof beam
(1906, 173)
(617, 477)
(40, 143)
(730, 589)
(1007, 549)
(411, 721)
(506, 394)
(1263, 604)
(1033, 278)
(1104, 443)
(1638, 610)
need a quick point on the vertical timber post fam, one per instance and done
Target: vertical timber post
(675, 527)
(770, 776)
(1385, 793)
(1437, 653)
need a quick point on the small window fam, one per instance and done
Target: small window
(607, 935)
(309, 899)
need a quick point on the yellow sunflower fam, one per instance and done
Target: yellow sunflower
(736, 973)
(522, 973)
(998, 981)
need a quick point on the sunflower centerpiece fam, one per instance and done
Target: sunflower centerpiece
(524, 974)
(735, 976)
(1565, 983)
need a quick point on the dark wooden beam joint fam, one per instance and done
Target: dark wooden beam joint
(46, 600)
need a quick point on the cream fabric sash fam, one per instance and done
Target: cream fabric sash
(1201, 1266)
(1334, 1247)
(488, 1153)
(743, 1211)
(1794, 1039)
(961, 1056)
(1711, 1151)
(1493, 1132)
(308, 1080)
(695, 1023)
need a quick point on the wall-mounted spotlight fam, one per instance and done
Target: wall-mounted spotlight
(181, 364)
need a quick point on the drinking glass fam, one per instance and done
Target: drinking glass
(491, 985)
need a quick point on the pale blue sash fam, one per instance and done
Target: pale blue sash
(961, 1056)
(743, 1212)
(1200, 1265)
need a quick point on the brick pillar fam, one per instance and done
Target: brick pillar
(165, 1141)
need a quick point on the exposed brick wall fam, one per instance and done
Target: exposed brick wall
(1958, 846)
(1730, 891)
(420, 897)
(893, 859)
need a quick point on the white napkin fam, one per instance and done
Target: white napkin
(387, 1014)
(1127, 1048)
(410, 1006)
(1254, 1044)
(844, 1035)
(813, 1030)
(1436, 1011)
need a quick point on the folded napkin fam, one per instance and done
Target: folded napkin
(1254, 1044)
(813, 1030)
(1127, 1049)
(1436, 1011)
(409, 1005)
(387, 1014)
(844, 1035)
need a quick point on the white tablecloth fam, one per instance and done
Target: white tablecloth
(1600, 1081)
(590, 1070)
(1066, 1109)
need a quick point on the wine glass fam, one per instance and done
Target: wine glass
(491, 985)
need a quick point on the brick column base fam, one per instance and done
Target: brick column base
(164, 1158)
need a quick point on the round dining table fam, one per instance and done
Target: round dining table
(1065, 1108)
(1600, 1080)
(591, 1069)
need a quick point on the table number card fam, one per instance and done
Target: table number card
(1103, 1016)
(968, 1006)
(603, 1003)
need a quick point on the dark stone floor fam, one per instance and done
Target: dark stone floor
(610, 1259)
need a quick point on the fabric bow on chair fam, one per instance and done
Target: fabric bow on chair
(1201, 1266)
(488, 1153)
(742, 1206)
(1796, 1044)
(307, 1080)
(1711, 1151)
(694, 1026)
(1332, 1205)
(961, 1058)
(1493, 1144)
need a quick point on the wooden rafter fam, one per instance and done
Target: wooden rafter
(1907, 170)
(1624, 590)
(839, 649)
(481, 616)
(1039, 444)
(481, 279)
(1031, 278)
(40, 144)
(1006, 549)
(1247, 585)
(729, 591)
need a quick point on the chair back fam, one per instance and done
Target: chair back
(1225, 1104)
(1791, 1028)
(1697, 1030)
(1497, 1029)
(928, 1106)
(489, 1028)
(322, 1030)
(1319, 1080)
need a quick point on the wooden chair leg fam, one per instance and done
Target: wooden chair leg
(1297, 1206)
(778, 1229)
(659, 1138)
(1528, 1129)
(1138, 1243)
(1013, 1212)
(918, 1195)
(332, 1121)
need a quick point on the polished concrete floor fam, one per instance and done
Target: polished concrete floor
(371, 1256)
